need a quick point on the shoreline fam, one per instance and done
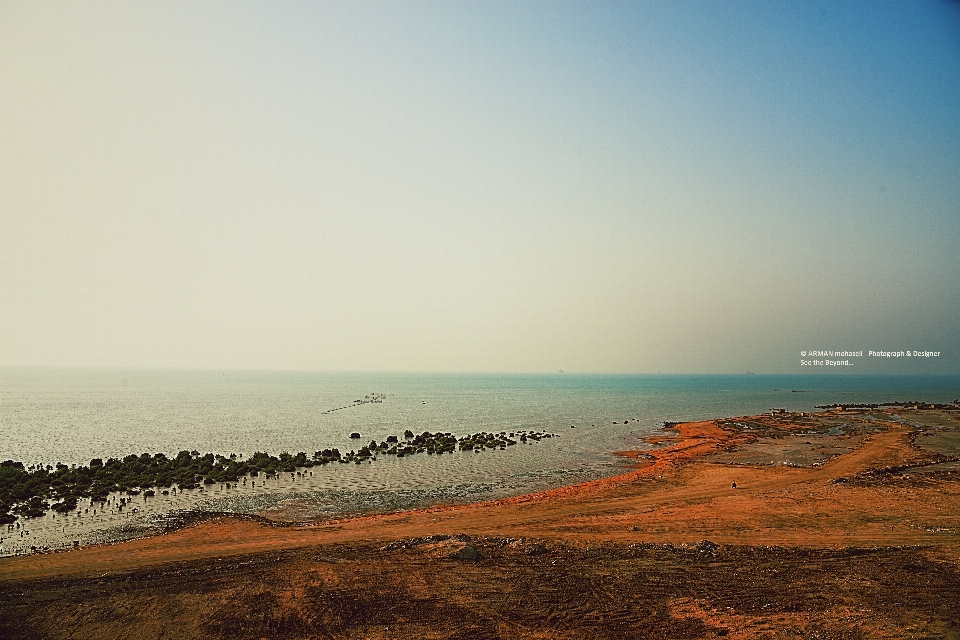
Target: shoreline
(679, 445)
(687, 443)
(838, 483)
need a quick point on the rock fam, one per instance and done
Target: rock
(467, 552)
(705, 546)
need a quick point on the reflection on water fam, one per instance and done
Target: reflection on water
(317, 493)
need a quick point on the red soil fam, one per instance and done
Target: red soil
(681, 497)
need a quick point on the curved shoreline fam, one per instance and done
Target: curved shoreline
(616, 508)
(670, 549)
(688, 443)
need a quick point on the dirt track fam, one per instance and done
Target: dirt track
(857, 547)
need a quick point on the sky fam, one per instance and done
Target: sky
(635, 187)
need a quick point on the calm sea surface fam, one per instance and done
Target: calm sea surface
(72, 416)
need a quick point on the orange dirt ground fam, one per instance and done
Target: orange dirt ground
(862, 542)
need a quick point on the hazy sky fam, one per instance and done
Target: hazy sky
(458, 186)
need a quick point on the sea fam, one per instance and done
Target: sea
(72, 416)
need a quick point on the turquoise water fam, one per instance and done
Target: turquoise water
(73, 416)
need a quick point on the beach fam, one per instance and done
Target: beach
(479, 320)
(836, 523)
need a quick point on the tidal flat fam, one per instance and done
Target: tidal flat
(721, 530)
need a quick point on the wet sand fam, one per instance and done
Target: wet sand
(842, 524)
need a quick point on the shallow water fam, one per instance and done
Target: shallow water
(73, 416)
